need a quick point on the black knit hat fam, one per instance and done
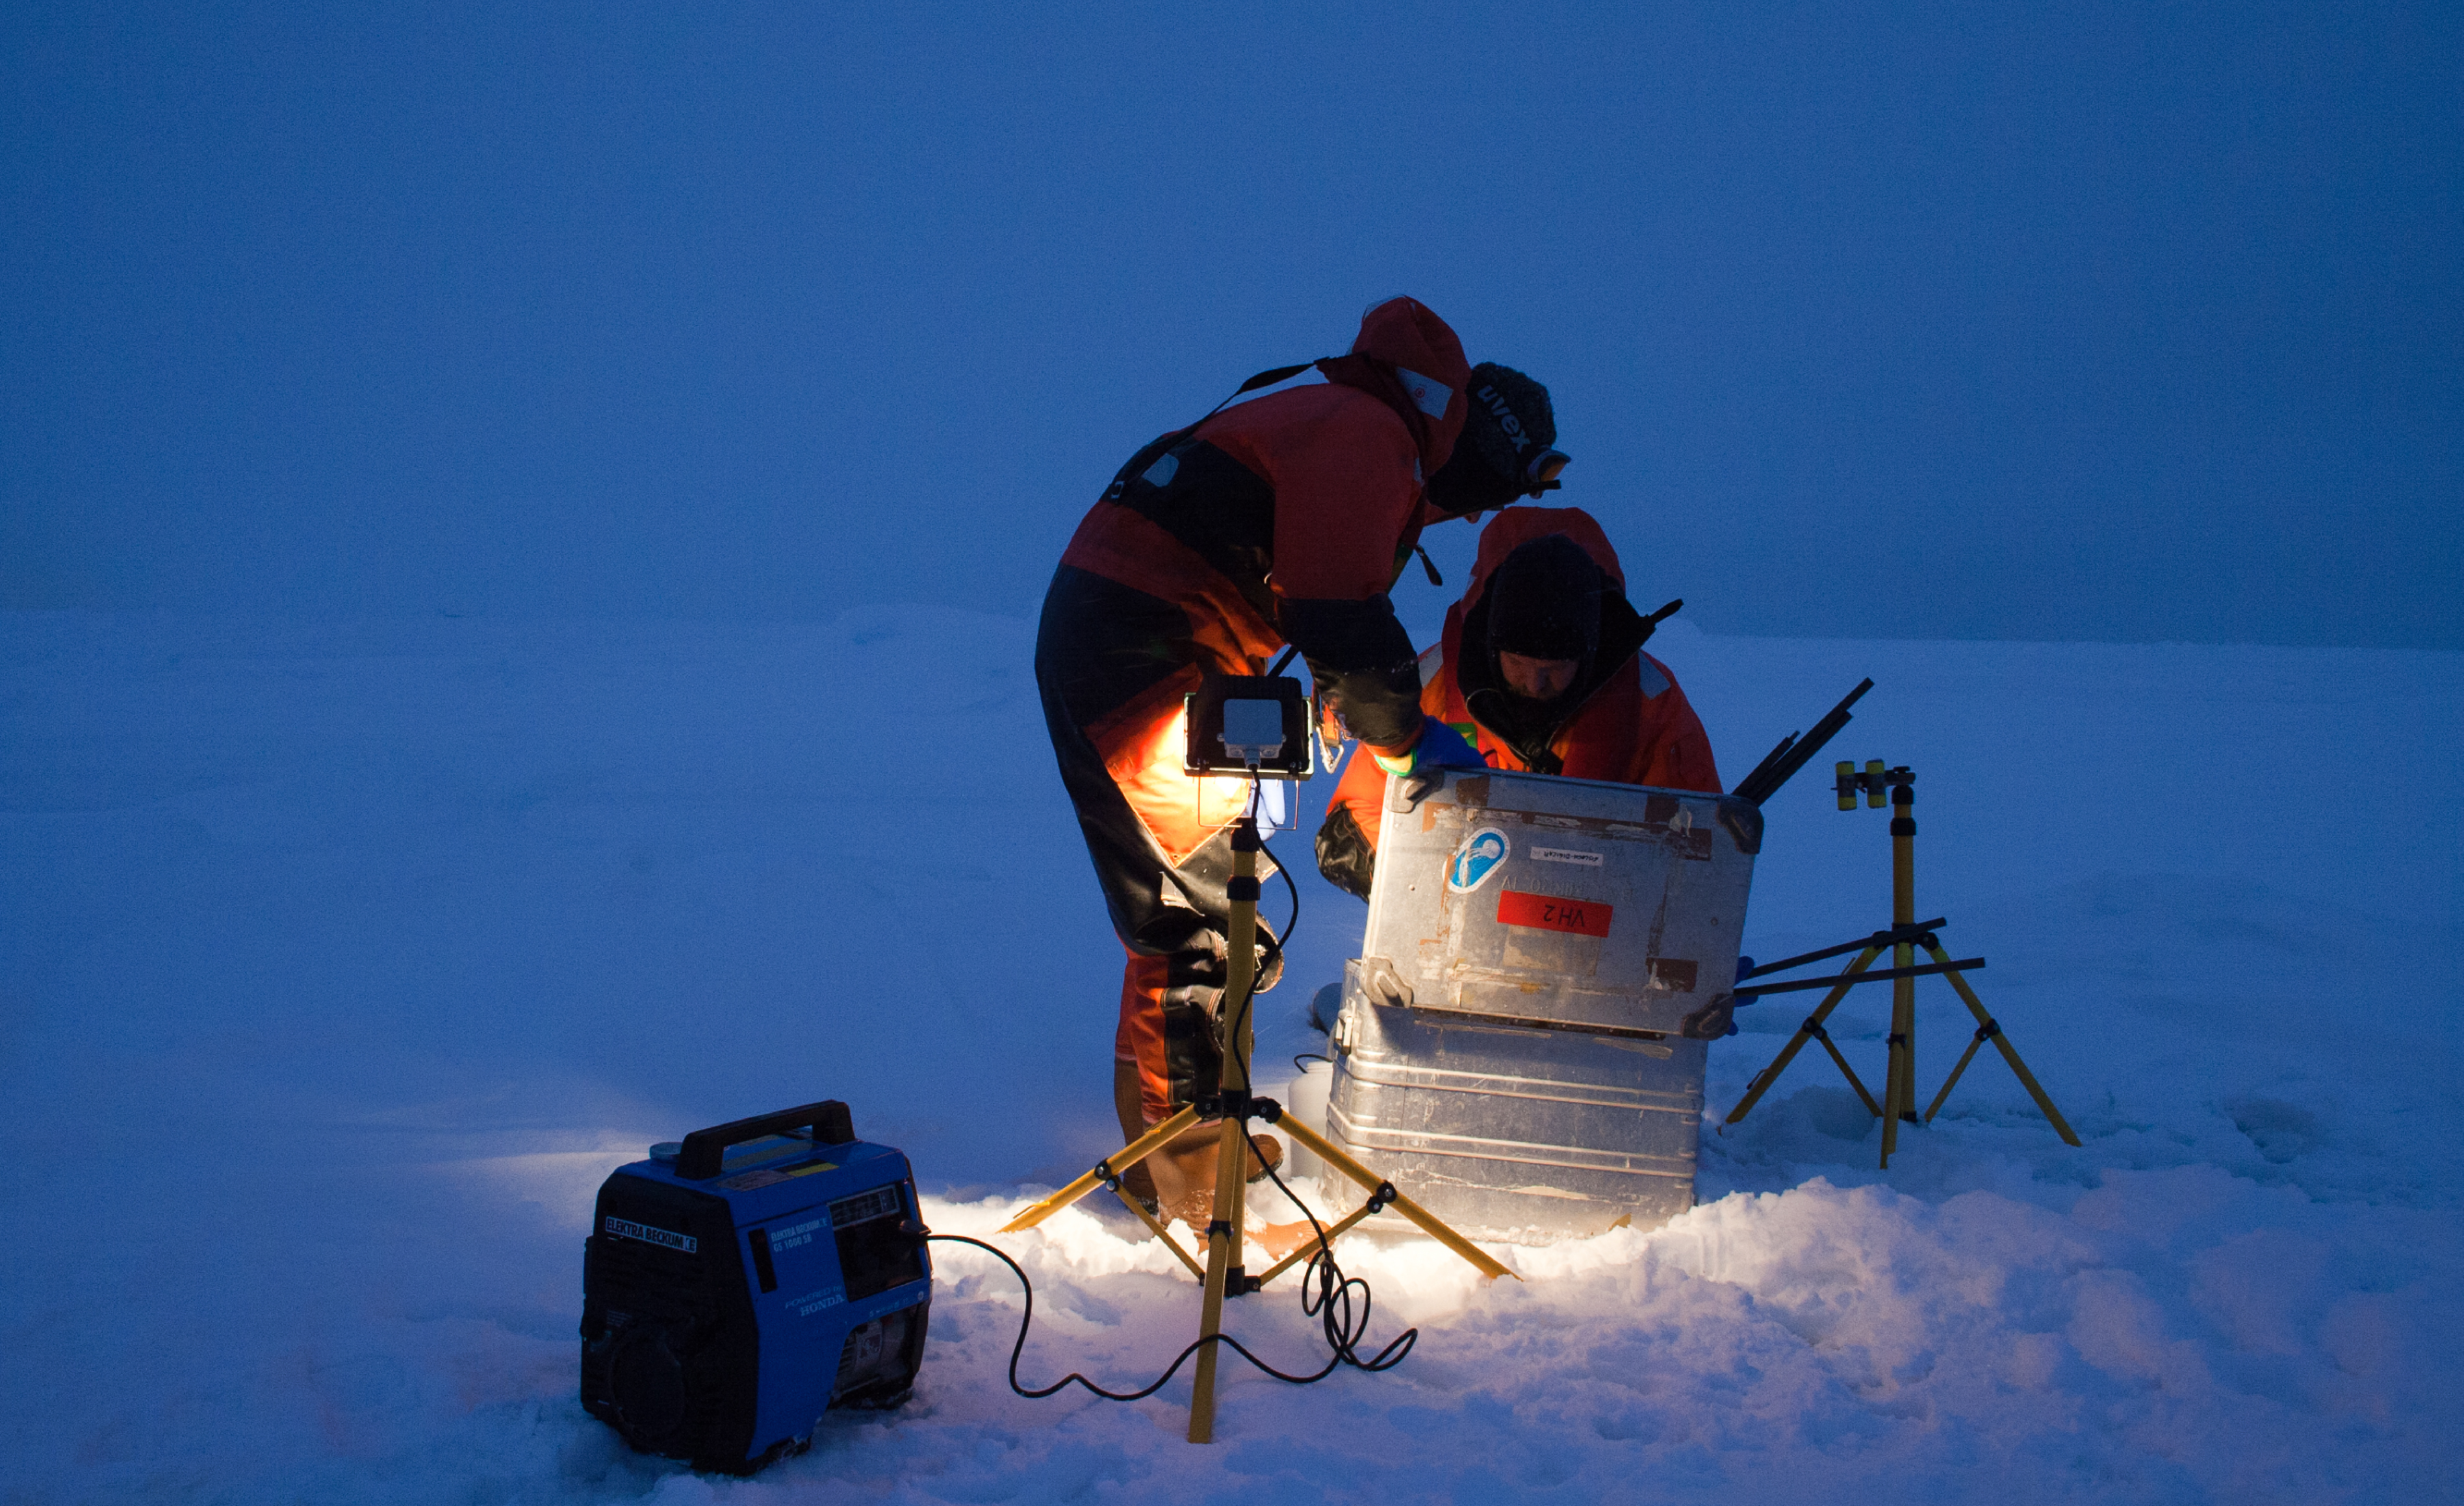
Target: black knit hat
(1509, 427)
(1544, 601)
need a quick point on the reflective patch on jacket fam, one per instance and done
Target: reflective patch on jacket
(1428, 394)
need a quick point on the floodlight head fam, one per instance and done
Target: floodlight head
(1254, 725)
(1253, 730)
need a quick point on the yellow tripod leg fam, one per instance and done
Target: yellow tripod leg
(1900, 1088)
(1988, 1029)
(1952, 1081)
(1429, 1223)
(1810, 1030)
(1156, 1225)
(1864, 1095)
(1232, 1140)
(1222, 1257)
(1121, 1160)
(1333, 1232)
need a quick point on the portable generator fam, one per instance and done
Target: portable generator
(744, 1280)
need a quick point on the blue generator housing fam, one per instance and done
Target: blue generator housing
(765, 1272)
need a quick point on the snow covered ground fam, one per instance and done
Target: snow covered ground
(338, 963)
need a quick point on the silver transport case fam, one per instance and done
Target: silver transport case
(1520, 1042)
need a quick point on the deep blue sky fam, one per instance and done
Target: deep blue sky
(2119, 322)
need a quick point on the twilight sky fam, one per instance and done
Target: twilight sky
(2059, 321)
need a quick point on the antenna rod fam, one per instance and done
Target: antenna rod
(1765, 781)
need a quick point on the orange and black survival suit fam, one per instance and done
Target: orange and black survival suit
(1281, 519)
(1546, 584)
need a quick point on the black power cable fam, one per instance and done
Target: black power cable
(1342, 1331)
(1345, 1339)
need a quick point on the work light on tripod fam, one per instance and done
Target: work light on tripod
(1253, 725)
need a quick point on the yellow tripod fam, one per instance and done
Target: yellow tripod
(1906, 935)
(1233, 1105)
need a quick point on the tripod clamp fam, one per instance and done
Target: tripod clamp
(1235, 1103)
(1246, 839)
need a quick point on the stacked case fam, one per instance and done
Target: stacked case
(1521, 1043)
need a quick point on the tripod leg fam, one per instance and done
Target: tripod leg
(1129, 1155)
(1429, 1223)
(1987, 1026)
(1893, 1085)
(1810, 1030)
(1952, 1081)
(1850, 1073)
(1899, 1087)
(1222, 1257)
(1223, 1231)
(1333, 1232)
(1161, 1232)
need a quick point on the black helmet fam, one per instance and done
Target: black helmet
(1507, 448)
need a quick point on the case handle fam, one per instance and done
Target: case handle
(1379, 980)
(705, 1150)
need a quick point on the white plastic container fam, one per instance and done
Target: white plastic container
(1306, 1101)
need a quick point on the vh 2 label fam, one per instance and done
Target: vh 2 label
(1549, 912)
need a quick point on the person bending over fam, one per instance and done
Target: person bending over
(1541, 666)
(1284, 519)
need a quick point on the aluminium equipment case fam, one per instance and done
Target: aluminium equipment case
(1521, 1044)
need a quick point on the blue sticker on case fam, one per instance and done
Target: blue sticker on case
(1480, 854)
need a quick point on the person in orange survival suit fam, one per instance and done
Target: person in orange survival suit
(1284, 518)
(1541, 664)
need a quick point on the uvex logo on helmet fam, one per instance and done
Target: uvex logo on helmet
(1506, 418)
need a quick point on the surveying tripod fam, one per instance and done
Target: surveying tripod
(1907, 933)
(1234, 1105)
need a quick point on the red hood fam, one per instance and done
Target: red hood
(1428, 362)
(1516, 526)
